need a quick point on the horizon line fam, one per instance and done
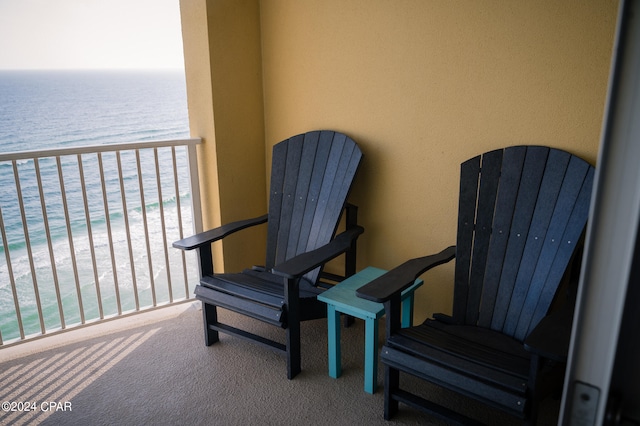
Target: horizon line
(146, 69)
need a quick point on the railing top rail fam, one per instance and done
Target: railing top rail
(89, 149)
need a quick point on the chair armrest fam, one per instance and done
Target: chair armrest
(551, 337)
(215, 234)
(305, 262)
(401, 277)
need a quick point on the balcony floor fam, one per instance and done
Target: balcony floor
(154, 369)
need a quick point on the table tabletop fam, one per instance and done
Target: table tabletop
(343, 295)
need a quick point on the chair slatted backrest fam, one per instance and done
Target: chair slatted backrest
(311, 175)
(522, 211)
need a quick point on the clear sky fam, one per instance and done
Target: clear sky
(90, 34)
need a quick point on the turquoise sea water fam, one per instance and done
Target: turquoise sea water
(54, 109)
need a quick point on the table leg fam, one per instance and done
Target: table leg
(333, 322)
(371, 355)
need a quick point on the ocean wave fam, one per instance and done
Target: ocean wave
(19, 163)
(79, 226)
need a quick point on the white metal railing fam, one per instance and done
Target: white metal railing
(86, 234)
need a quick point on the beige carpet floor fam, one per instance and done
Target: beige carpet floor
(161, 373)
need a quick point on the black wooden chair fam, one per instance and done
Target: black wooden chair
(311, 176)
(522, 213)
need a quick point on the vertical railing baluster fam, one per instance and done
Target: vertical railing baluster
(146, 229)
(125, 215)
(47, 232)
(72, 250)
(194, 188)
(107, 218)
(162, 224)
(87, 215)
(27, 240)
(179, 211)
(12, 280)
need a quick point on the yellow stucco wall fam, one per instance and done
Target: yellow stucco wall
(421, 85)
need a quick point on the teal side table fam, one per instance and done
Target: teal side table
(342, 298)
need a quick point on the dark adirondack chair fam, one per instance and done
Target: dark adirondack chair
(311, 176)
(522, 213)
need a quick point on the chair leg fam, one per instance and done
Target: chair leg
(209, 316)
(391, 385)
(293, 350)
(534, 390)
(293, 328)
(533, 419)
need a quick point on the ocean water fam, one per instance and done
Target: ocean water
(59, 109)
